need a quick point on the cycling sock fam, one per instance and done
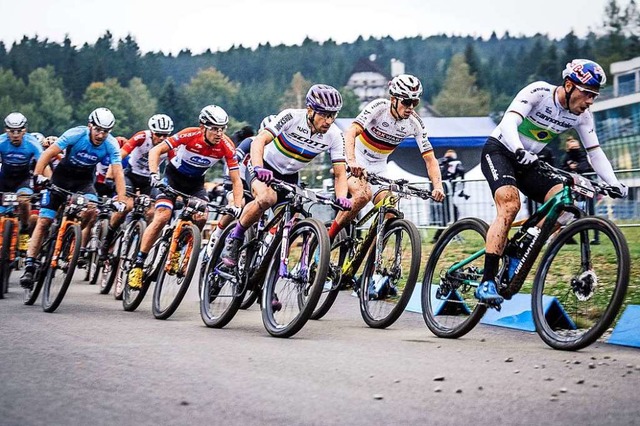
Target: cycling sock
(29, 264)
(238, 232)
(334, 229)
(491, 262)
(216, 234)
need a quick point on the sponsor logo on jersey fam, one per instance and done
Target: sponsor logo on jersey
(199, 161)
(303, 130)
(538, 89)
(284, 120)
(554, 120)
(87, 157)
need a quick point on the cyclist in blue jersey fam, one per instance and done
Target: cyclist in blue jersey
(18, 150)
(85, 147)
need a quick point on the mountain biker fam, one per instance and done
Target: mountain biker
(375, 134)
(538, 113)
(283, 148)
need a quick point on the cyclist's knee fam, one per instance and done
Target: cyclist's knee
(161, 216)
(266, 199)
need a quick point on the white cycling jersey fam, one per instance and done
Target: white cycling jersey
(138, 148)
(543, 118)
(293, 146)
(382, 134)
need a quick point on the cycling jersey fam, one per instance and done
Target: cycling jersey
(543, 118)
(137, 149)
(82, 156)
(294, 146)
(17, 160)
(382, 133)
(192, 156)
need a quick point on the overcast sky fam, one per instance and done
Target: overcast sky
(170, 26)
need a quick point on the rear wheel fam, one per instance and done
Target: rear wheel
(5, 257)
(109, 270)
(95, 247)
(176, 272)
(449, 306)
(60, 271)
(43, 261)
(331, 287)
(579, 288)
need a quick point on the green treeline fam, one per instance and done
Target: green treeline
(56, 84)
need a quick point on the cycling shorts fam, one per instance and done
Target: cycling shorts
(136, 183)
(52, 200)
(18, 184)
(193, 186)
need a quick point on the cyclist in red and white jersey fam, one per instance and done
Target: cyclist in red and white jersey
(375, 134)
(191, 152)
(535, 117)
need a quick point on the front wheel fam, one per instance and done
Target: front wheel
(292, 289)
(131, 298)
(453, 273)
(5, 257)
(99, 236)
(43, 260)
(386, 288)
(109, 269)
(176, 272)
(581, 283)
(60, 271)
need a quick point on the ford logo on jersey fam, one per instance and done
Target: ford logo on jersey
(199, 161)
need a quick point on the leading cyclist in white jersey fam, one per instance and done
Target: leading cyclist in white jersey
(536, 116)
(372, 137)
(285, 146)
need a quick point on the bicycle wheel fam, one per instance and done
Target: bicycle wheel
(109, 269)
(175, 274)
(579, 288)
(449, 306)
(385, 292)
(5, 257)
(59, 276)
(222, 291)
(94, 264)
(131, 298)
(331, 286)
(43, 261)
(291, 291)
(258, 270)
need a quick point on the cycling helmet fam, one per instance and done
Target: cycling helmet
(405, 86)
(48, 141)
(15, 120)
(324, 98)
(39, 137)
(265, 121)
(213, 115)
(102, 117)
(584, 71)
(161, 123)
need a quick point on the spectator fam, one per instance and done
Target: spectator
(452, 172)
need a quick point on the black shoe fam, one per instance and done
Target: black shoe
(26, 280)
(594, 242)
(229, 254)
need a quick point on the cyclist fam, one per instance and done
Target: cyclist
(376, 132)
(283, 148)
(85, 147)
(538, 114)
(136, 174)
(191, 152)
(18, 150)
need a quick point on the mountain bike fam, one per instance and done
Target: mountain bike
(390, 272)
(9, 226)
(289, 283)
(97, 240)
(584, 282)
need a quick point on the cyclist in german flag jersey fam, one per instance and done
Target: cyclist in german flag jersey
(535, 117)
(375, 134)
(191, 152)
(285, 146)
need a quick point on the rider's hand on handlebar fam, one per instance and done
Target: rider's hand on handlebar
(526, 158)
(119, 206)
(438, 194)
(344, 203)
(236, 211)
(40, 182)
(618, 191)
(262, 174)
(356, 169)
(156, 182)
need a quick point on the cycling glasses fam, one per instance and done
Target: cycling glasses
(589, 92)
(215, 128)
(20, 130)
(410, 102)
(99, 129)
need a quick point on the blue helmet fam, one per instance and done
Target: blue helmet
(584, 71)
(324, 98)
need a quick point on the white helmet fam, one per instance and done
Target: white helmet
(102, 117)
(265, 121)
(39, 136)
(213, 115)
(161, 123)
(405, 86)
(15, 120)
(48, 141)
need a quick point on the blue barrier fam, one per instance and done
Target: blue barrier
(516, 313)
(627, 330)
(451, 306)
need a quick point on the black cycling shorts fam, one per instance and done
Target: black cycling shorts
(52, 200)
(193, 186)
(500, 168)
(136, 183)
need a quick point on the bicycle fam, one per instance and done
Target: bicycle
(171, 262)
(587, 281)
(290, 284)
(126, 239)
(9, 226)
(394, 249)
(97, 242)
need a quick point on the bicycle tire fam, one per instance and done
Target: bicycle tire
(331, 287)
(377, 311)
(315, 247)
(94, 266)
(601, 293)
(110, 265)
(43, 262)
(255, 279)
(451, 312)
(71, 241)
(213, 283)
(5, 257)
(159, 308)
(131, 299)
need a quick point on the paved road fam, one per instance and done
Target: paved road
(93, 363)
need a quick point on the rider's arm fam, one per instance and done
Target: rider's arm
(118, 178)
(154, 156)
(257, 147)
(340, 179)
(236, 184)
(509, 129)
(433, 170)
(45, 158)
(350, 141)
(599, 160)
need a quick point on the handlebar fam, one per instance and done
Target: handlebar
(302, 193)
(399, 185)
(579, 182)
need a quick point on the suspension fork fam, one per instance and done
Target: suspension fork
(60, 239)
(284, 248)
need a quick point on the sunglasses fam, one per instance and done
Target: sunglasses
(100, 129)
(22, 129)
(589, 92)
(161, 135)
(410, 102)
(216, 128)
(327, 115)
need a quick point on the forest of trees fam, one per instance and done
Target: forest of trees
(56, 85)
